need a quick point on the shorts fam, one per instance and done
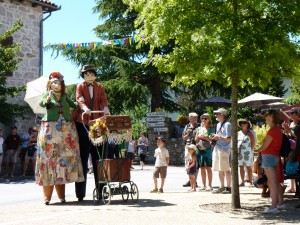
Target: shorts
(160, 171)
(205, 158)
(9, 157)
(31, 157)
(269, 161)
(130, 155)
(220, 160)
(143, 157)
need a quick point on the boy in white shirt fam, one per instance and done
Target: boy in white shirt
(161, 164)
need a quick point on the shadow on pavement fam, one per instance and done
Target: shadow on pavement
(17, 180)
(140, 203)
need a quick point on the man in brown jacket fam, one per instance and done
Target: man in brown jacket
(90, 96)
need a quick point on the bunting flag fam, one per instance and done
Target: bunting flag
(121, 41)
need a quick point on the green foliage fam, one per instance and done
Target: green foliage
(71, 91)
(214, 38)
(127, 81)
(292, 99)
(9, 60)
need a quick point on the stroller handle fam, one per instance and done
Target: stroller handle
(83, 113)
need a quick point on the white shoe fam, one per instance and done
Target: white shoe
(202, 188)
(282, 206)
(271, 211)
(208, 188)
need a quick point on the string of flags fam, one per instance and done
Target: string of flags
(120, 41)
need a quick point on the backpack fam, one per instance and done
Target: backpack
(285, 146)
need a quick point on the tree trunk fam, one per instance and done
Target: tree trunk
(235, 192)
(156, 94)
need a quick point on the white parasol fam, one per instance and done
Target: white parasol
(258, 99)
(35, 91)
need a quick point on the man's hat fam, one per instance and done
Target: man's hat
(222, 111)
(193, 114)
(13, 127)
(87, 68)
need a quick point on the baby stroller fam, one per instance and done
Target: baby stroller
(113, 174)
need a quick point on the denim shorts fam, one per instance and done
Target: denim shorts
(269, 161)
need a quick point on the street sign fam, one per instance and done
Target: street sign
(155, 119)
(150, 114)
(160, 129)
(158, 124)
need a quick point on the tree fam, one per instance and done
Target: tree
(9, 60)
(128, 82)
(234, 43)
(294, 98)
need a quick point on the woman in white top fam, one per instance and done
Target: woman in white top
(246, 144)
(131, 151)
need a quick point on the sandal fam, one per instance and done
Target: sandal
(242, 185)
(290, 191)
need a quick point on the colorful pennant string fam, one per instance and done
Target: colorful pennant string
(120, 41)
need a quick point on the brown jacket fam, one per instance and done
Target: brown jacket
(98, 102)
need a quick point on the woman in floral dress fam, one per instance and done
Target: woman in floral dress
(58, 159)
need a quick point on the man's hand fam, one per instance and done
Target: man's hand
(87, 111)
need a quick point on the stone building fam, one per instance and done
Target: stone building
(30, 36)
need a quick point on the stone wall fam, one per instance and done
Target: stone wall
(29, 38)
(173, 143)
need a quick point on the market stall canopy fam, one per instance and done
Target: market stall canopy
(274, 105)
(257, 99)
(214, 101)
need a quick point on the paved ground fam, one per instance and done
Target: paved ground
(21, 203)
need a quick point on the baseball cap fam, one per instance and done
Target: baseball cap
(13, 127)
(222, 111)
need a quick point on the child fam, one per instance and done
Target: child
(161, 163)
(192, 167)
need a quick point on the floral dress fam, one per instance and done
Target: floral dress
(58, 158)
(245, 157)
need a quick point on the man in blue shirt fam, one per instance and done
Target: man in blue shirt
(222, 151)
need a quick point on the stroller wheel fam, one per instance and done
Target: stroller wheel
(134, 191)
(96, 196)
(106, 194)
(125, 193)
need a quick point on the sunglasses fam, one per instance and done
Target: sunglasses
(204, 118)
(294, 113)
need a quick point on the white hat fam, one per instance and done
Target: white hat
(222, 111)
(192, 146)
(193, 114)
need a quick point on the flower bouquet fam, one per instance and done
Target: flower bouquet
(98, 131)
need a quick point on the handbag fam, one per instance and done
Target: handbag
(31, 150)
(291, 168)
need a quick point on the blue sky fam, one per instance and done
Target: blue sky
(74, 23)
